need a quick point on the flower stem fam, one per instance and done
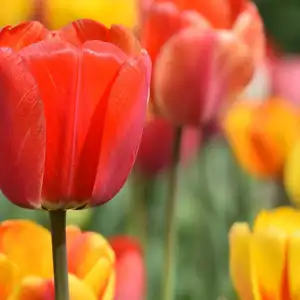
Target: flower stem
(59, 253)
(170, 230)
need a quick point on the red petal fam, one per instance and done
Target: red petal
(22, 35)
(22, 131)
(130, 269)
(81, 31)
(123, 125)
(72, 83)
(187, 83)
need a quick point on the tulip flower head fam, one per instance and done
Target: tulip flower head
(72, 108)
(264, 262)
(203, 53)
(262, 134)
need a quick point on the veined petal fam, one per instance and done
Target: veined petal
(71, 96)
(22, 35)
(22, 131)
(268, 264)
(123, 125)
(19, 254)
(240, 266)
(9, 277)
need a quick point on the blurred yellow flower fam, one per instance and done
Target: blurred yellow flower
(15, 11)
(262, 134)
(62, 12)
(265, 262)
(26, 263)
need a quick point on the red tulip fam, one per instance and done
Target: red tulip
(130, 269)
(155, 152)
(203, 53)
(71, 116)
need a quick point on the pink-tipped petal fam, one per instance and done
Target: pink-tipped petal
(22, 131)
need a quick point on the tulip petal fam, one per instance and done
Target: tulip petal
(293, 267)
(187, 83)
(9, 277)
(22, 131)
(83, 30)
(268, 264)
(123, 125)
(22, 35)
(79, 290)
(39, 248)
(34, 288)
(250, 29)
(239, 240)
(109, 292)
(285, 219)
(130, 269)
(71, 95)
(85, 251)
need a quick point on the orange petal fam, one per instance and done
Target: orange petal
(85, 251)
(9, 277)
(22, 131)
(14, 237)
(72, 233)
(22, 35)
(250, 29)
(268, 264)
(239, 245)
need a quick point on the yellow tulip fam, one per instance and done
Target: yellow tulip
(15, 11)
(26, 263)
(262, 134)
(265, 262)
(62, 12)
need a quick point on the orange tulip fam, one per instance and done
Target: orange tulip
(264, 262)
(262, 134)
(155, 150)
(203, 52)
(26, 267)
(69, 130)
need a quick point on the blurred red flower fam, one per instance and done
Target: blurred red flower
(203, 52)
(72, 109)
(130, 269)
(155, 150)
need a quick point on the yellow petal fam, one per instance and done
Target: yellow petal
(108, 12)
(98, 277)
(79, 290)
(110, 288)
(85, 251)
(28, 245)
(286, 219)
(9, 277)
(292, 174)
(239, 244)
(268, 264)
(17, 11)
(294, 266)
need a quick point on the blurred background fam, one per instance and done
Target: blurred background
(214, 189)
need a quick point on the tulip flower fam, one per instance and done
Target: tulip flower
(262, 134)
(72, 118)
(203, 53)
(26, 268)
(130, 269)
(264, 262)
(156, 146)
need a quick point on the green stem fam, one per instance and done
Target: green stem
(59, 252)
(170, 230)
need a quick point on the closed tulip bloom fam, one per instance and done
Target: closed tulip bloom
(264, 261)
(26, 267)
(130, 269)
(72, 118)
(203, 53)
(155, 151)
(262, 134)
